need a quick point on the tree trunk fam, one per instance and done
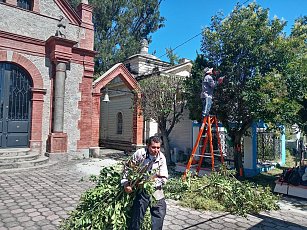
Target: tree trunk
(238, 158)
(166, 146)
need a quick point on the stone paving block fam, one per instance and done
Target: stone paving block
(30, 210)
(38, 218)
(33, 214)
(216, 226)
(174, 226)
(52, 217)
(205, 226)
(229, 225)
(4, 210)
(15, 211)
(191, 222)
(8, 219)
(23, 218)
(11, 224)
(17, 228)
(8, 201)
(6, 215)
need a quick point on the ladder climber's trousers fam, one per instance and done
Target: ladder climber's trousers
(140, 205)
(207, 103)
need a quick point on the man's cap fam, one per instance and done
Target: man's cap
(208, 70)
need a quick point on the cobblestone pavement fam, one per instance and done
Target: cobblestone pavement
(39, 199)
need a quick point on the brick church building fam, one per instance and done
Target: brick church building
(46, 75)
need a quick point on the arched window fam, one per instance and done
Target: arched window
(119, 123)
(25, 4)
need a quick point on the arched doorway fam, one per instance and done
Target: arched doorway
(15, 106)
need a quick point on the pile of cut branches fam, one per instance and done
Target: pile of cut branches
(221, 191)
(107, 205)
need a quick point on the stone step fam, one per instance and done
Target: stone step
(19, 158)
(25, 164)
(37, 167)
(12, 152)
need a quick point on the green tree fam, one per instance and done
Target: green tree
(119, 27)
(173, 58)
(298, 67)
(252, 53)
(162, 102)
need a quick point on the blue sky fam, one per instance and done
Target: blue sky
(186, 18)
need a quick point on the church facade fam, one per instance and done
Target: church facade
(46, 75)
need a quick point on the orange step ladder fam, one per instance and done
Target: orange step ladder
(208, 121)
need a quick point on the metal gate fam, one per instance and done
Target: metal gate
(269, 147)
(15, 106)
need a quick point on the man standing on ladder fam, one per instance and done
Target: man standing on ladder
(208, 85)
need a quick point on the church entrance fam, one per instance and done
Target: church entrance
(15, 106)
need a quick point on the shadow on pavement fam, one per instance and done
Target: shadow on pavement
(213, 218)
(271, 222)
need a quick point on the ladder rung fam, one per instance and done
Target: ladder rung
(213, 150)
(209, 155)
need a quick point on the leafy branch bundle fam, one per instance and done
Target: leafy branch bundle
(107, 206)
(221, 191)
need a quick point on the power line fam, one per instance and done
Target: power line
(194, 36)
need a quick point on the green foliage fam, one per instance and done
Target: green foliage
(298, 68)
(173, 58)
(272, 101)
(106, 206)
(263, 70)
(162, 101)
(119, 27)
(223, 192)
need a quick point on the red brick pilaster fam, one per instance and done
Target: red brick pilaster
(85, 106)
(85, 12)
(138, 122)
(36, 6)
(95, 118)
(36, 127)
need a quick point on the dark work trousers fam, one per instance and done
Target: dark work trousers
(140, 205)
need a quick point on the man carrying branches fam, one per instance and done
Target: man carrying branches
(152, 161)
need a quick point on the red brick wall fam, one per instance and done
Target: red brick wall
(95, 119)
(85, 106)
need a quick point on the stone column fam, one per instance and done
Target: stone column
(59, 92)
(60, 50)
(57, 138)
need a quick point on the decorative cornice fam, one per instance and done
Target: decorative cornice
(21, 43)
(60, 49)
